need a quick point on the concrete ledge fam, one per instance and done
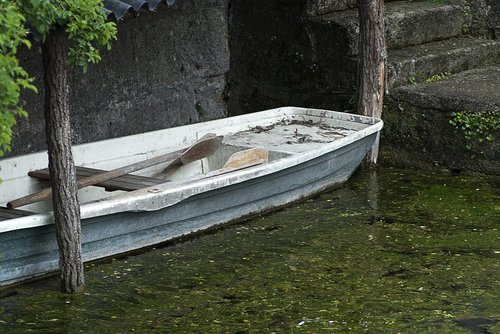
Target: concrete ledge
(473, 90)
(418, 63)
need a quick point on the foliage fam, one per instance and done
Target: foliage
(412, 80)
(13, 77)
(438, 77)
(477, 125)
(86, 25)
(434, 78)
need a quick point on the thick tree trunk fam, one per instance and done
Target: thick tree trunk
(372, 65)
(61, 165)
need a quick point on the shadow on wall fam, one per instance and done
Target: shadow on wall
(278, 58)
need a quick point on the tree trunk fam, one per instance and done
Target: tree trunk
(61, 164)
(372, 64)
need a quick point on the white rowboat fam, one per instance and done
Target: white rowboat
(307, 151)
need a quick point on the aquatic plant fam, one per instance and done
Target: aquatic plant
(479, 126)
(438, 77)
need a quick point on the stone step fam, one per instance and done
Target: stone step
(474, 90)
(320, 7)
(417, 121)
(413, 23)
(407, 23)
(418, 63)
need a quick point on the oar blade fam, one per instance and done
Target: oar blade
(205, 146)
(247, 157)
(202, 148)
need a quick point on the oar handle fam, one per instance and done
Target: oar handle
(32, 198)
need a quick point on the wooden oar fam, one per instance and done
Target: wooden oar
(202, 148)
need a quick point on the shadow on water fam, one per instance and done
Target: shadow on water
(392, 251)
(476, 325)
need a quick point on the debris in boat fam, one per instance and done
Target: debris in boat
(295, 132)
(302, 138)
(259, 129)
(331, 133)
(304, 122)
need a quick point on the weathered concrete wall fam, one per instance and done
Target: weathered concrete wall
(264, 53)
(167, 68)
(274, 58)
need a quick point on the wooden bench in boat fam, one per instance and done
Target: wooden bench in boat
(128, 182)
(6, 214)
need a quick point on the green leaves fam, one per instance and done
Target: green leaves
(13, 77)
(86, 25)
(41, 14)
(478, 126)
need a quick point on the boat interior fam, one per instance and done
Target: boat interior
(214, 163)
(239, 149)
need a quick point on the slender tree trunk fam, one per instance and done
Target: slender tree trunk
(372, 65)
(61, 164)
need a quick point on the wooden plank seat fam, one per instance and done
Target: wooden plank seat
(128, 182)
(6, 214)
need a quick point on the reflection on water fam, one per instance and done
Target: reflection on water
(393, 251)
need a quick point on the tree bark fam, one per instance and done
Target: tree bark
(372, 64)
(61, 164)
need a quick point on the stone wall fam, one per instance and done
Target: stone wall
(167, 68)
(484, 16)
(266, 53)
(276, 57)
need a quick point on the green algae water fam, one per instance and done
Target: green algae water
(392, 251)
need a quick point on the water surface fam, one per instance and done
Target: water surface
(392, 251)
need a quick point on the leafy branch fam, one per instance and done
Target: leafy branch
(13, 78)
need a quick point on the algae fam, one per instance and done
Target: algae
(392, 251)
